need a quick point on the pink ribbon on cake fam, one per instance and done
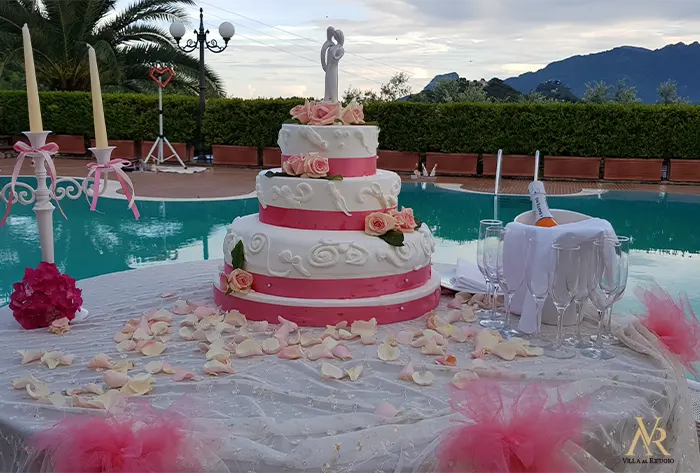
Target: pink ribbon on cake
(45, 151)
(115, 165)
(349, 167)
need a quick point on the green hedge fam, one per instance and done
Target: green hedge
(641, 131)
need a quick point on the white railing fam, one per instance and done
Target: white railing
(499, 163)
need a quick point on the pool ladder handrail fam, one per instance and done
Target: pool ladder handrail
(499, 161)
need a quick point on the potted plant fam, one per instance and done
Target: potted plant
(684, 170)
(571, 167)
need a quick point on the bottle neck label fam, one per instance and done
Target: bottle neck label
(540, 207)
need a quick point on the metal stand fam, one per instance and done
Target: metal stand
(159, 158)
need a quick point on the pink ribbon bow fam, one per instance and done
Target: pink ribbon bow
(115, 165)
(45, 151)
(510, 428)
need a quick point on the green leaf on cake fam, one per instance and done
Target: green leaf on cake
(418, 223)
(334, 177)
(291, 121)
(276, 174)
(393, 237)
(237, 256)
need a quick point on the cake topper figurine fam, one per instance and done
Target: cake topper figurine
(331, 53)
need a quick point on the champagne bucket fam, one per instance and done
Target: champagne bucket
(563, 217)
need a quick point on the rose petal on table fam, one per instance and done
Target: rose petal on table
(406, 373)
(330, 343)
(55, 399)
(458, 335)
(309, 339)
(160, 328)
(368, 339)
(355, 372)
(487, 370)
(434, 335)
(213, 336)
(329, 371)
(121, 336)
(90, 388)
(432, 348)
(186, 334)
(455, 303)
(153, 367)
(404, 337)
(200, 335)
(454, 316)
(215, 368)
(462, 378)
(165, 295)
(345, 335)
(342, 324)
(317, 352)
(53, 359)
(25, 380)
(486, 340)
(294, 338)
(129, 328)
(220, 354)
(223, 327)
(470, 332)
(235, 318)
(126, 345)
(261, 326)
(60, 326)
(138, 385)
(29, 356)
(81, 402)
(291, 325)
(190, 320)
(181, 307)
(123, 366)
(249, 347)
(447, 360)
(468, 314)
(270, 346)
(108, 400)
(241, 336)
(386, 352)
(291, 352)
(364, 327)
(140, 334)
(115, 379)
(332, 332)
(385, 410)
(204, 311)
(506, 351)
(342, 352)
(419, 342)
(425, 378)
(184, 375)
(446, 330)
(152, 348)
(282, 332)
(100, 361)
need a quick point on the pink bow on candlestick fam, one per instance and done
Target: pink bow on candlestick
(510, 428)
(115, 165)
(673, 323)
(46, 151)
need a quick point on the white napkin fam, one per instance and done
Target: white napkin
(515, 249)
(469, 278)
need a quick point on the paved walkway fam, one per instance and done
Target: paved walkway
(221, 181)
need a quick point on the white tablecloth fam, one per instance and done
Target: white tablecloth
(280, 416)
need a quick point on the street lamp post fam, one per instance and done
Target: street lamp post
(177, 30)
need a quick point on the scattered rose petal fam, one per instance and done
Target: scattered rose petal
(160, 366)
(291, 325)
(223, 327)
(190, 320)
(29, 356)
(506, 351)
(200, 335)
(387, 353)
(453, 316)
(115, 379)
(385, 410)
(165, 295)
(331, 331)
(108, 400)
(161, 315)
(309, 339)
(364, 327)
(100, 361)
(215, 368)
(470, 332)
(90, 388)
(126, 345)
(330, 343)
(485, 341)
(138, 385)
(235, 318)
(345, 335)
(55, 399)
(25, 380)
(37, 391)
(406, 373)
(261, 326)
(53, 359)
(404, 337)
(291, 352)
(447, 330)
(458, 336)
(455, 303)
(468, 314)
(204, 311)
(342, 352)
(249, 347)
(317, 352)
(140, 334)
(186, 334)
(282, 333)
(160, 328)
(181, 308)
(60, 326)
(419, 342)
(184, 375)
(152, 348)
(329, 371)
(213, 336)
(432, 348)
(425, 378)
(270, 346)
(203, 347)
(487, 370)
(217, 351)
(447, 360)
(240, 337)
(433, 335)
(368, 339)
(122, 336)
(294, 338)
(343, 324)
(355, 372)
(462, 378)
(123, 366)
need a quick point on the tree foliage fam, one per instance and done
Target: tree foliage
(600, 92)
(668, 94)
(397, 87)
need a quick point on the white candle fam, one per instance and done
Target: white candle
(35, 125)
(97, 110)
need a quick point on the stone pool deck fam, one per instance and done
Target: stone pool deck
(223, 181)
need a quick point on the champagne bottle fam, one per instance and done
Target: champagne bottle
(543, 216)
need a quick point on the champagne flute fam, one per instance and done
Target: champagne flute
(581, 294)
(492, 240)
(537, 279)
(624, 241)
(511, 273)
(563, 286)
(602, 290)
(483, 225)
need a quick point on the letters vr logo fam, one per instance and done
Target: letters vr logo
(647, 438)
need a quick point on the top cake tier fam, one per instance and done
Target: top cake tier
(351, 150)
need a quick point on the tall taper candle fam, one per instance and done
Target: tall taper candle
(35, 125)
(97, 110)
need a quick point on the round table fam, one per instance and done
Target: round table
(279, 415)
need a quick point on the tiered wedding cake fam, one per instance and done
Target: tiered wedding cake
(330, 243)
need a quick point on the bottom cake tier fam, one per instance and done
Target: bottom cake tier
(385, 309)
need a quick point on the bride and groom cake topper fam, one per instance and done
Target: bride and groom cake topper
(331, 53)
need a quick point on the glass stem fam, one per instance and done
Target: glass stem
(539, 305)
(488, 292)
(560, 326)
(608, 320)
(506, 302)
(599, 338)
(579, 319)
(493, 303)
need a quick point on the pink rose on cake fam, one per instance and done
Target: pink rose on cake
(352, 114)
(294, 165)
(324, 113)
(379, 223)
(302, 113)
(315, 166)
(240, 281)
(405, 221)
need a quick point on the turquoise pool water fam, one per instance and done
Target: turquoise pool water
(664, 227)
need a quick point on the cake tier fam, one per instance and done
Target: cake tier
(386, 309)
(319, 204)
(315, 254)
(351, 149)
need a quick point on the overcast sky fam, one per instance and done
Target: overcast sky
(277, 45)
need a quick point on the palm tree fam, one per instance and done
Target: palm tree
(127, 43)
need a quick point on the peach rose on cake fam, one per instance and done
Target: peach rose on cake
(315, 166)
(352, 114)
(379, 223)
(324, 113)
(405, 221)
(294, 165)
(302, 113)
(240, 281)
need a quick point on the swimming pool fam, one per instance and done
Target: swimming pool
(666, 236)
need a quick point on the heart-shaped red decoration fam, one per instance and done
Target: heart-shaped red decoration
(162, 75)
